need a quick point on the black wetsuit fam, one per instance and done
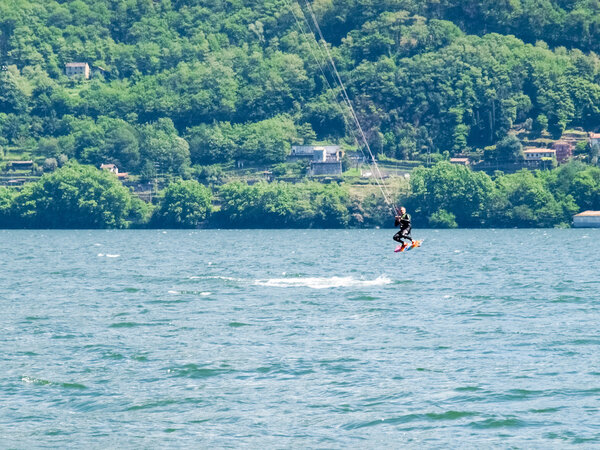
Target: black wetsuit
(405, 227)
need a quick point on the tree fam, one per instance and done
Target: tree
(456, 190)
(162, 145)
(6, 208)
(540, 124)
(442, 219)
(122, 147)
(509, 149)
(50, 164)
(12, 97)
(276, 205)
(212, 143)
(269, 140)
(185, 205)
(75, 196)
(527, 202)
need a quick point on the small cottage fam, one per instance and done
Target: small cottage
(21, 165)
(110, 167)
(460, 161)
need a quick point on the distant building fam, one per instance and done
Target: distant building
(268, 175)
(460, 161)
(324, 159)
(16, 182)
(110, 167)
(594, 139)
(308, 152)
(587, 219)
(534, 156)
(97, 70)
(21, 165)
(77, 69)
(114, 169)
(564, 151)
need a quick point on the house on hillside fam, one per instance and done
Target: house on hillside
(324, 159)
(110, 167)
(307, 152)
(564, 151)
(21, 165)
(460, 161)
(16, 182)
(114, 169)
(535, 156)
(77, 70)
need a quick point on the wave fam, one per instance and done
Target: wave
(203, 294)
(323, 283)
(41, 382)
(214, 277)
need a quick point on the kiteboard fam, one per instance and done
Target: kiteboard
(402, 248)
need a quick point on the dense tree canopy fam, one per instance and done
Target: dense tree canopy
(277, 205)
(444, 195)
(193, 83)
(176, 82)
(185, 205)
(74, 197)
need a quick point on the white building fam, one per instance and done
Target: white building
(587, 219)
(538, 154)
(324, 159)
(110, 167)
(77, 69)
(316, 152)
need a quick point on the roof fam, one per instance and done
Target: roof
(21, 162)
(540, 150)
(594, 135)
(459, 159)
(588, 214)
(558, 143)
(107, 166)
(76, 64)
(310, 149)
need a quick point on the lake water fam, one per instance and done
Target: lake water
(299, 338)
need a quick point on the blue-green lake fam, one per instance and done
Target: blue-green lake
(299, 338)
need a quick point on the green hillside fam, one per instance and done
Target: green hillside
(178, 83)
(215, 92)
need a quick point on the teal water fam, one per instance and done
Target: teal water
(299, 338)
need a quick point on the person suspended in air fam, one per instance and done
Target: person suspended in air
(403, 219)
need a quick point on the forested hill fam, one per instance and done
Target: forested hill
(180, 82)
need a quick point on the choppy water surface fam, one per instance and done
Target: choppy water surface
(299, 339)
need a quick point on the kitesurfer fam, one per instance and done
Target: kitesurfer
(403, 219)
